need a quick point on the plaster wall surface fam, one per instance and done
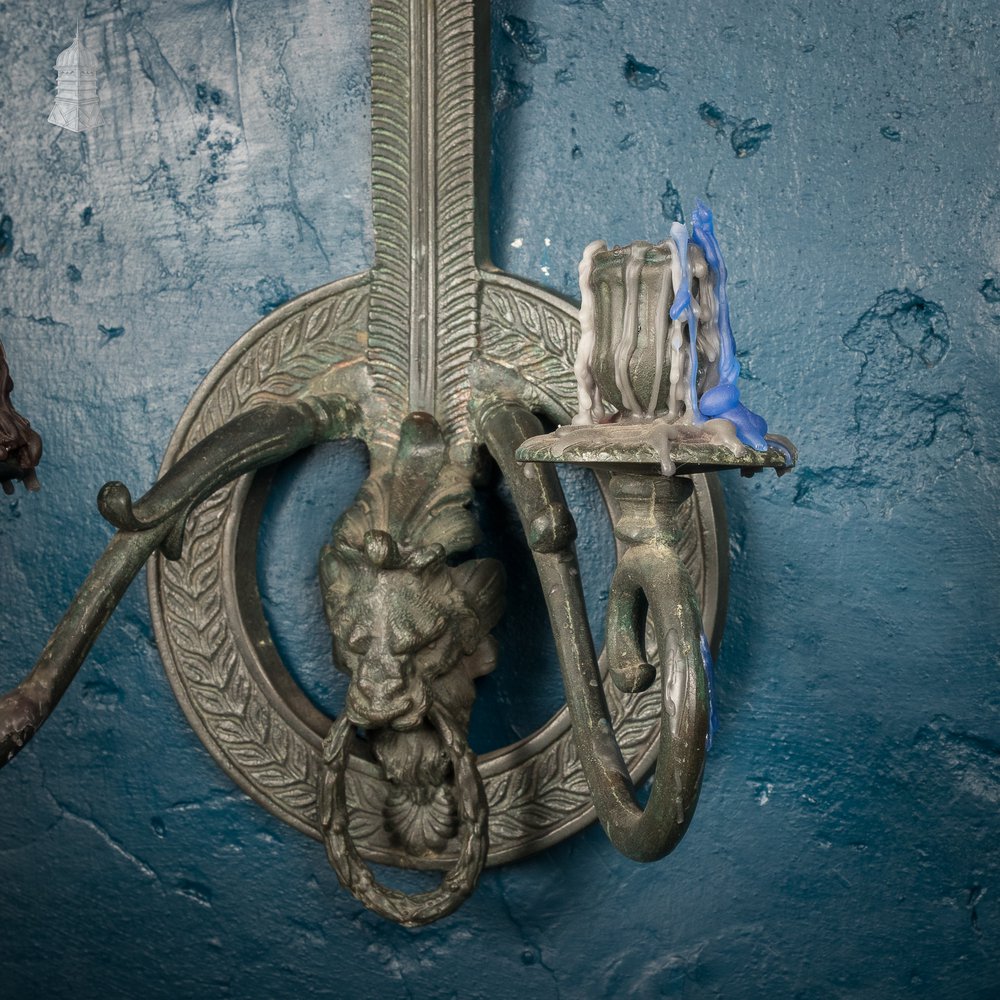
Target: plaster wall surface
(846, 843)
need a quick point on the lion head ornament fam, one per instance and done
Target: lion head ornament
(409, 626)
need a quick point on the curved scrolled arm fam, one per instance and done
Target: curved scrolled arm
(650, 580)
(258, 437)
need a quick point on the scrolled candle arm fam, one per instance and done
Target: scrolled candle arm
(650, 567)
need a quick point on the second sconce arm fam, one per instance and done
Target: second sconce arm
(262, 435)
(649, 570)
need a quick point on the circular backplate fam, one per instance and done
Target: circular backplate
(239, 697)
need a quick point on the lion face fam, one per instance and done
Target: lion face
(407, 628)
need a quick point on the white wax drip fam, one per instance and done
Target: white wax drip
(591, 409)
(677, 373)
(658, 435)
(708, 309)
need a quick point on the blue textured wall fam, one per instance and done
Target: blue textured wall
(847, 842)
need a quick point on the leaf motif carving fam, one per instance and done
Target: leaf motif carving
(286, 356)
(366, 802)
(532, 333)
(247, 734)
(425, 279)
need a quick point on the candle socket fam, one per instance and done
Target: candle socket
(633, 290)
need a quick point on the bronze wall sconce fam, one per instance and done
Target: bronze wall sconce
(441, 364)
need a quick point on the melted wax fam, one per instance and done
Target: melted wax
(713, 717)
(723, 399)
(710, 310)
(589, 395)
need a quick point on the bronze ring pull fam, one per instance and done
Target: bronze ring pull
(352, 872)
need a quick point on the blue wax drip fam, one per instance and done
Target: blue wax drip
(789, 458)
(723, 400)
(703, 234)
(682, 304)
(713, 718)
